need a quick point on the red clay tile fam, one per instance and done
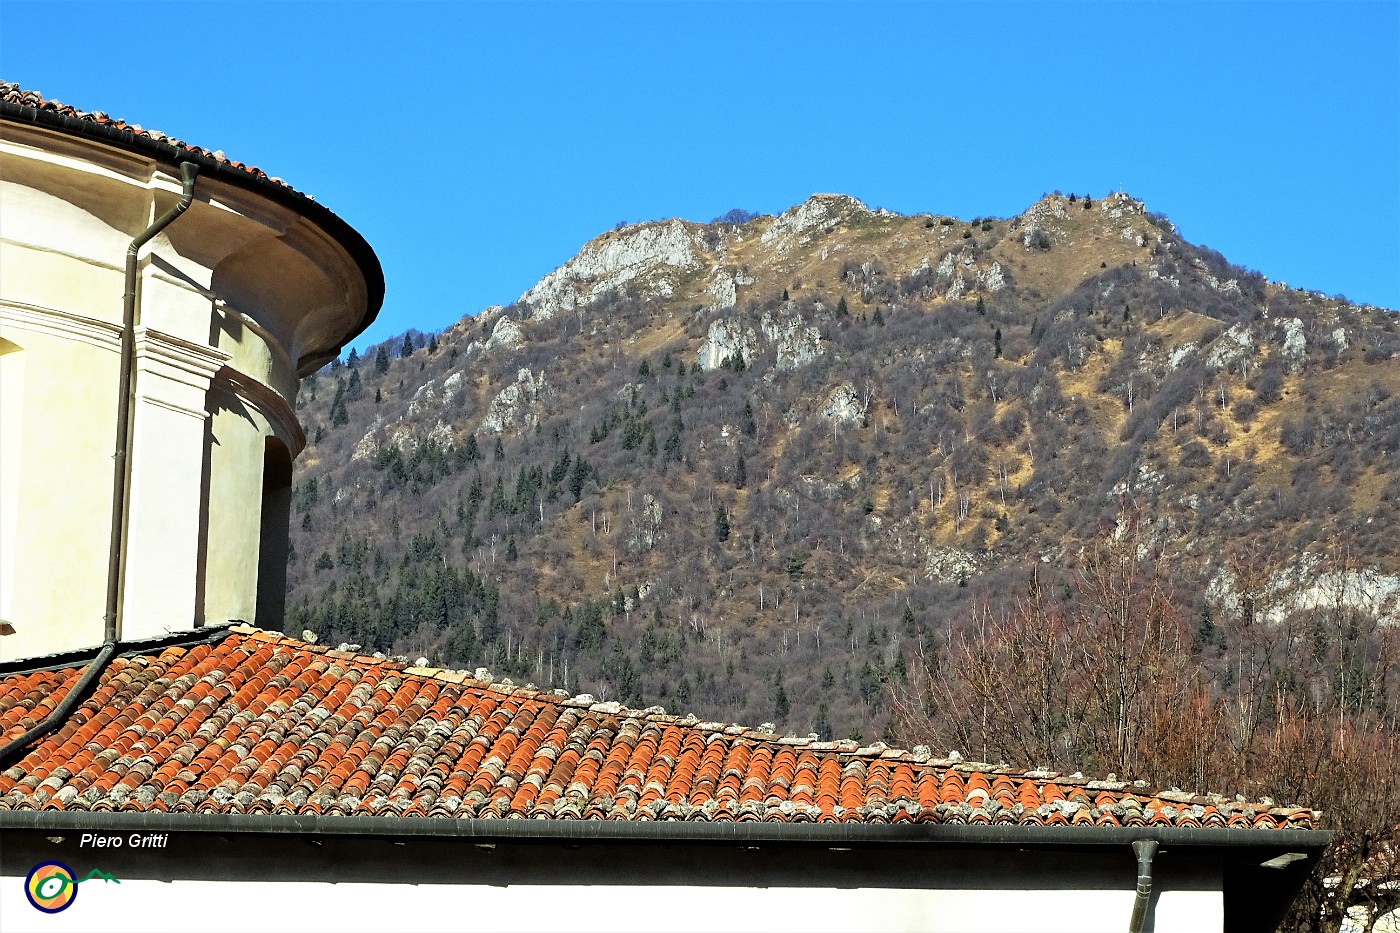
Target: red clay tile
(260, 723)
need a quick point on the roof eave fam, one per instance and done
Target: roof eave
(353, 243)
(1310, 841)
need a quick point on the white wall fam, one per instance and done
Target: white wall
(154, 906)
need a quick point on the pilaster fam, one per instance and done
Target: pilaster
(168, 452)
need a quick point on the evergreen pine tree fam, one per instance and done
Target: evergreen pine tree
(381, 360)
(339, 415)
(823, 726)
(721, 524)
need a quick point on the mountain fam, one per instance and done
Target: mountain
(748, 468)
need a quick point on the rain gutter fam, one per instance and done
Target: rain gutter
(668, 831)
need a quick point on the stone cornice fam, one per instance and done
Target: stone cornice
(268, 402)
(192, 363)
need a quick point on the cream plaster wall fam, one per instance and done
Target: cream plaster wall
(239, 297)
(58, 449)
(235, 477)
(11, 415)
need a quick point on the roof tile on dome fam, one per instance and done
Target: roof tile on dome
(259, 723)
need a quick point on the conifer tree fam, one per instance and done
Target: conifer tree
(339, 415)
(721, 523)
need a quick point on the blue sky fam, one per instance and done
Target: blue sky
(477, 146)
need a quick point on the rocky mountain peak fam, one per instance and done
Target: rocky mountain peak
(645, 253)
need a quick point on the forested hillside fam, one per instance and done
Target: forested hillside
(752, 468)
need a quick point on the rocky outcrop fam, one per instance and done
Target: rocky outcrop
(953, 564)
(1304, 588)
(506, 335)
(1295, 344)
(1119, 205)
(794, 342)
(843, 404)
(649, 255)
(727, 337)
(797, 342)
(724, 287)
(796, 226)
(1233, 348)
(514, 406)
(961, 271)
(645, 532)
(1049, 208)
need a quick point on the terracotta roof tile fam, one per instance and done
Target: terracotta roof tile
(12, 93)
(261, 723)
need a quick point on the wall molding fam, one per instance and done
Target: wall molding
(267, 402)
(175, 355)
(94, 332)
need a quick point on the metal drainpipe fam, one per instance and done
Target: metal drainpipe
(121, 471)
(56, 718)
(1145, 850)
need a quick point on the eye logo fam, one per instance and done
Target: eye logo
(51, 886)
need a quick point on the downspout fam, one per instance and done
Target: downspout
(1145, 849)
(121, 470)
(60, 714)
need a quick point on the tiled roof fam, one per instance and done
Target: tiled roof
(12, 93)
(259, 723)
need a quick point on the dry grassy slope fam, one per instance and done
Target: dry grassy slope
(851, 254)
